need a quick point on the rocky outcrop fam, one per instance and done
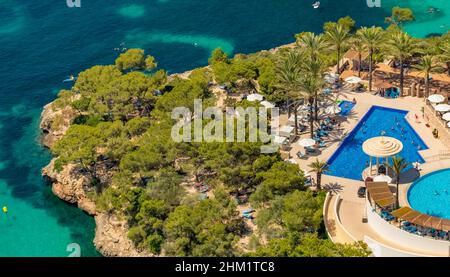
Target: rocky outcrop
(70, 185)
(111, 238)
(54, 123)
(111, 234)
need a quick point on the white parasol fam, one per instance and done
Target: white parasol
(307, 142)
(436, 98)
(353, 80)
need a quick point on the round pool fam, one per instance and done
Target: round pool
(431, 194)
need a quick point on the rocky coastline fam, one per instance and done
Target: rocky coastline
(70, 185)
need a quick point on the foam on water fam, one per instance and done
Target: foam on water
(12, 18)
(209, 43)
(132, 11)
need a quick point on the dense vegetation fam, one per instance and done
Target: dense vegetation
(121, 140)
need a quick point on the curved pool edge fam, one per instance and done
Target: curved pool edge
(409, 186)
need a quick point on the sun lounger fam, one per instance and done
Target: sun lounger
(411, 229)
(248, 211)
(310, 150)
(308, 182)
(300, 155)
(387, 216)
(248, 216)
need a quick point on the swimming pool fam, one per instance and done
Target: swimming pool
(346, 107)
(349, 160)
(431, 194)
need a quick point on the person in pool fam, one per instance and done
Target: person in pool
(354, 101)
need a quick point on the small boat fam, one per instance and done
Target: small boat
(70, 79)
(316, 5)
(432, 10)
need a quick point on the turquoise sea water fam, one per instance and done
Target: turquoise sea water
(44, 41)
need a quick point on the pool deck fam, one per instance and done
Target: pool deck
(351, 208)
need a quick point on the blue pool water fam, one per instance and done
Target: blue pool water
(346, 107)
(431, 194)
(349, 160)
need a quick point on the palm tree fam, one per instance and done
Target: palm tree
(309, 86)
(373, 39)
(288, 76)
(312, 45)
(427, 65)
(319, 168)
(398, 165)
(314, 68)
(401, 47)
(358, 45)
(337, 36)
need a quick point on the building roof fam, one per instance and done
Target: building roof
(353, 55)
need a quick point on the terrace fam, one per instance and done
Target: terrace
(344, 211)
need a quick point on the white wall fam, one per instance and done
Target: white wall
(326, 206)
(381, 250)
(401, 237)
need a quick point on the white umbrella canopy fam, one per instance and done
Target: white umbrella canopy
(267, 104)
(255, 97)
(382, 178)
(353, 80)
(446, 117)
(442, 108)
(334, 109)
(307, 142)
(279, 140)
(436, 98)
(331, 78)
(382, 147)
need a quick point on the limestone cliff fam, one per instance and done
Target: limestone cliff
(72, 185)
(54, 123)
(111, 238)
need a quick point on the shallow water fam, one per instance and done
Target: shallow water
(43, 41)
